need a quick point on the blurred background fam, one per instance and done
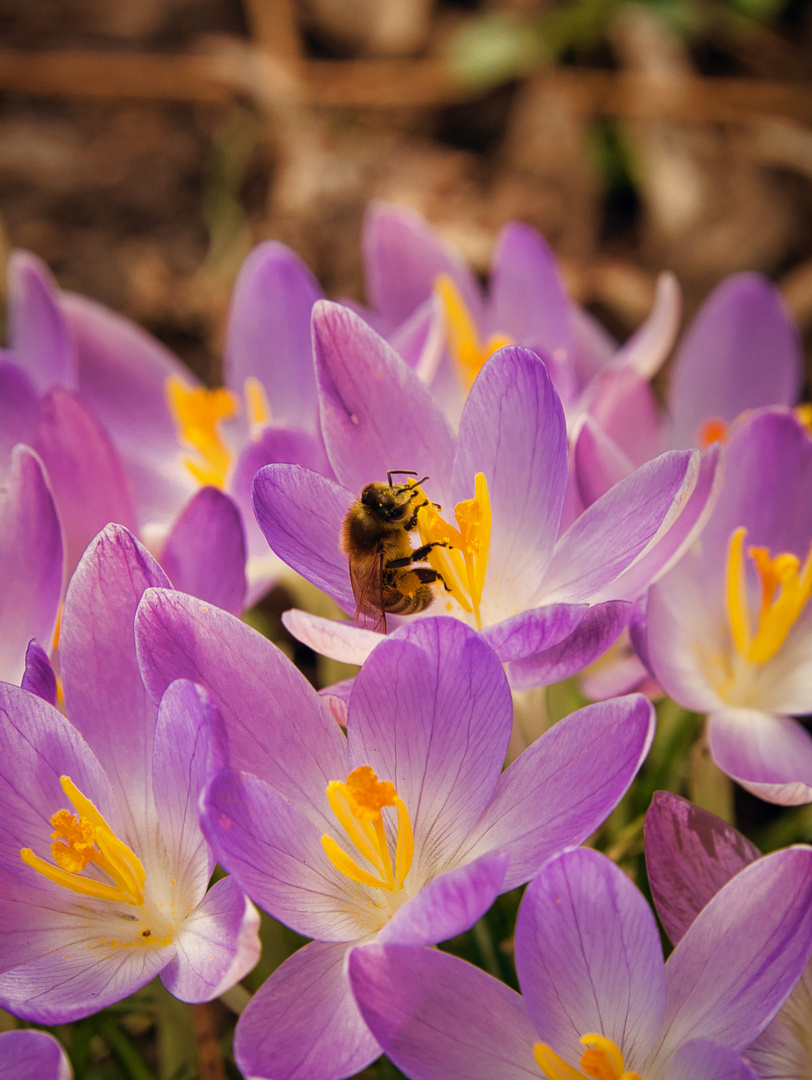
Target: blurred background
(146, 146)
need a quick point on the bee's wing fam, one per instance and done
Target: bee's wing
(366, 578)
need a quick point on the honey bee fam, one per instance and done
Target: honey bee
(375, 537)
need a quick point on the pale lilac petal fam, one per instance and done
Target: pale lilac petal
(782, 1049)
(431, 711)
(376, 414)
(513, 430)
(303, 1023)
(598, 462)
(88, 480)
(32, 1055)
(741, 351)
(104, 694)
(533, 631)
(646, 350)
(301, 514)
(742, 955)
(342, 641)
(217, 946)
(268, 334)
(621, 526)
(277, 726)
(710, 1060)
(690, 855)
(565, 784)
(588, 957)
(592, 345)
(403, 257)
(769, 755)
(600, 627)
(30, 561)
(19, 406)
(204, 554)
(623, 405)
(37, 331)
(449, 904)
(39, 677)
(439, 1018)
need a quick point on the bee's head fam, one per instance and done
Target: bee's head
(389, 503)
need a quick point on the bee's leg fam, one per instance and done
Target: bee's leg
(418, 555)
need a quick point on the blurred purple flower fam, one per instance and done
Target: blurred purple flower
(32, 1055)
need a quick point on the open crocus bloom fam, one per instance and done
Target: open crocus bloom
(105, 870)
(548, 598)
(597, 1000)
(406, 830)
(690, 856)
(32, 1055)
(728, 631)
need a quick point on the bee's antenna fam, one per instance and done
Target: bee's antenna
(400, 472)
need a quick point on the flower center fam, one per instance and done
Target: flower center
(463, 561)
(198, 413)
(463, 337)
(358, 805)
(785, 590)
(85, 837)
(602, 1060)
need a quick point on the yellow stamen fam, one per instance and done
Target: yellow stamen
(84, 838)
(358, 805)
(804, 415)
(463, 338)
(602, 1060)
(257, 405)
(198, 412)
(463, 562)
(785, 589)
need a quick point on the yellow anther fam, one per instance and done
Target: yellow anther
(463, 562)
(713, 430)
(785, 589)
(198, 413)
(463, 337)
(83, 838)
(804, 415)
(358, 805)
(256, 405)
(602, 1060)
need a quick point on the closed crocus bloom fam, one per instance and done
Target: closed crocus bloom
(105, 870)
(404, 830)
(728, 631)
(597, 1001)
(32, 1055)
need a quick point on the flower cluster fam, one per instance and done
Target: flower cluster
(485, 484)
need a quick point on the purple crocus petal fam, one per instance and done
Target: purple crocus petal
(363, 384)
(439, 1018)
(217, 946)
(741, 351)
(533, 631)
(437, 680)
(769, 755)
(624, 406)
(277, 726)
(37, 331)
(565, 784)
(205, 551)
(528, 299)
(301, 514)
(19, 406)
(513, 430)
(303, 1023)
(403, 257)
(268, 333)
(588, 956)
(741, 957)
(30, 561)
(782, 1049)
(710, 1060)
(646, 350)
(616, 530)
(598, 463)
(690, 855)
(449, 904)
(342, 641)
(39, 677)
(600, 627)
(592, 345)
(88, 480)
(32, 1055)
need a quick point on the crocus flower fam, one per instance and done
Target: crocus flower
(104, 868)
(544, 596)
(690, 855)
(405, 830)
(597, 1000)
(727, 632)
(32, 1055)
